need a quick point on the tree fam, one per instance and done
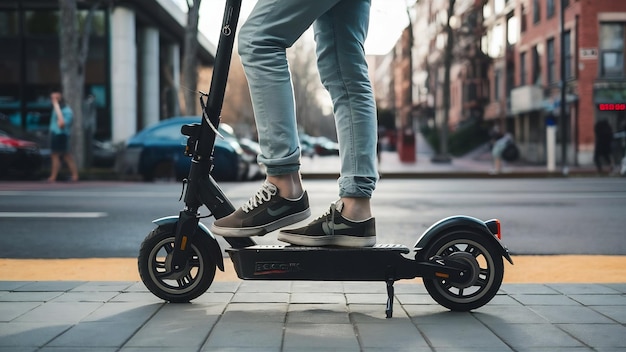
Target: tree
(190, 58)
(74, 47)
(448, 56)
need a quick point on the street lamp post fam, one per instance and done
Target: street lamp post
(562, 105)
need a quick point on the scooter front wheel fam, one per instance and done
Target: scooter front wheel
(486, 270)
(155, 269)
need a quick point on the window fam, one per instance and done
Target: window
(612, 49)
(536, 11)
(536, 66)
(550, 8)
(523, 19)
(567, 49)
(497, 84)
(522, 69)
(551, 61)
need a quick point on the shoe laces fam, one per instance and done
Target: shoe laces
(329, 215)
(264, 194)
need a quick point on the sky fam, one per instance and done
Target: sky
(387, 20)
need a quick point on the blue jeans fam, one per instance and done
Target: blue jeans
(340, 28)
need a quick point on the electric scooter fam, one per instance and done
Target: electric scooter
(459, 258)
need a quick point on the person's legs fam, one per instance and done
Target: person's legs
(272, 27)
(340, 36)
(71, 164)
(55, 164)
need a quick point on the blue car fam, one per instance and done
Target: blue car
(158, 152)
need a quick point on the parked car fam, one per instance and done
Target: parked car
(18, 157)
(158, 152)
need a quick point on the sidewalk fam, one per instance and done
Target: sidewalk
(477, 164)
(307, 316)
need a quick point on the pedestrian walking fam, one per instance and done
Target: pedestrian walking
(60, 130)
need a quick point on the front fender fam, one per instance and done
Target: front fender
(215, 249)
(477, 226)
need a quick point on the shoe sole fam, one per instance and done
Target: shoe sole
(333, 240)
(261, 230)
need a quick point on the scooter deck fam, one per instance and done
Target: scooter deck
(382, 262)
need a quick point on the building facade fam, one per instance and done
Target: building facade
(131, 74)
(507, 68)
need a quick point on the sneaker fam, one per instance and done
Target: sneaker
(265, 212)
(332, 229)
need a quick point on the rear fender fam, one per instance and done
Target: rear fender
(216, 252)
(478, 227)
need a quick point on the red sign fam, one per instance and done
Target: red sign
(612, 107)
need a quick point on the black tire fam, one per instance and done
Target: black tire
(478, 252)
(153, 262)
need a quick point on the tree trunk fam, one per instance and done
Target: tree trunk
(190, 61)
(445, 104)
(74, 49)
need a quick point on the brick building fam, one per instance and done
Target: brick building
(516, 83)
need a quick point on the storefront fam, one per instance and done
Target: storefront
(131, 73)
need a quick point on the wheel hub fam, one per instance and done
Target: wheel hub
(471, 276)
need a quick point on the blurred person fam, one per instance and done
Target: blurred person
(340, 28)
(60, 130)
(603, 145)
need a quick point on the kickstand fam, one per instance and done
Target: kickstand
(390, 293)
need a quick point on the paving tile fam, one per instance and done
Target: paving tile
(265, 286)
(261, 297)
(12, 285)
(528, 289)
(583, 289)
(96, 334)
(364, 287)
(367, 298)
(215, 297)
(374, 312)
(47, 286)
(555, 349)
(617, 287)
(617, 313)
(29, 296)
(598, 335)
(391, 334)
(571, 315)
(414, 299)
(182, 333)
(86, 296)
(19, 349)
(318, 313)
(59, 312)
(318, 297)
(326, 337)
(136, 296)
(23, 334)
(103, 286)
(435, 314)
(534, 335)
(552, 300)
(123, 312)
(600, 300)
(458, 335)
(317, 286)
(78, 349)
(245, 334)
(255, 312)
(224, 286)
(493, 315)
(413, 288)
(12, 310)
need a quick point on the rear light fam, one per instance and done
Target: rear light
(494, 226)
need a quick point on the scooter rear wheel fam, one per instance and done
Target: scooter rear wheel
(155, 270)
(481, 256)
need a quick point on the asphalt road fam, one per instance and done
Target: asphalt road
(110, 219)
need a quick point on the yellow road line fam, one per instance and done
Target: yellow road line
(527, 269)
